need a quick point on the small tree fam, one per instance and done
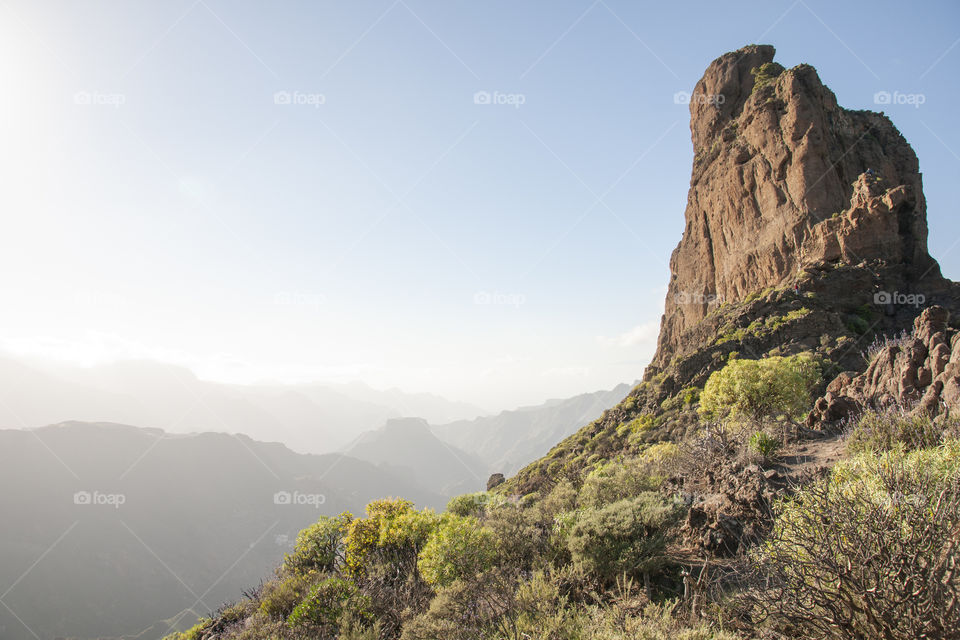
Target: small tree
(758, 389)
(774, 388)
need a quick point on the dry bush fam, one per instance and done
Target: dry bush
(870, 552)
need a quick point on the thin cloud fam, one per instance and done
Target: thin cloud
(642, 334)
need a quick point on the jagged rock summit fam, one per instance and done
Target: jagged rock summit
(785, 181)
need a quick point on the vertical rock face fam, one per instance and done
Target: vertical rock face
(785, 180)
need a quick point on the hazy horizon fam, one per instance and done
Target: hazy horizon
(68, 370)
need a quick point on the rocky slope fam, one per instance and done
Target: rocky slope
(805, 231)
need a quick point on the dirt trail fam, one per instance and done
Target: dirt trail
(808, 458)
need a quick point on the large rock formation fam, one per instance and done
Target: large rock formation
(785, 180)
(787, 189)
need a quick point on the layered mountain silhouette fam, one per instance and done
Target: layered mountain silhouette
(458, 457)
(407, 446)
(122, 527)
(508, 441)
(308, 418)
(193, 504)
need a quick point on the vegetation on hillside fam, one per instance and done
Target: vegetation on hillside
(868, 551)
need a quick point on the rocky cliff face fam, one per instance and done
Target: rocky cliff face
(788, 190)
(786, 181)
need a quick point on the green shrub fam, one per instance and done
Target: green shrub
(470, 504)
(636, 429)
(193, 633)
(857, 325)
(758, 389)
(765, 75)
(626, 537)
(327, 603)
(617, 480)
(391, 524)
(280, 597)
(521, 535)
(459, 548)
(884, 430)
(480, 608)
(764, 444)
(320, 546)
(685, 398)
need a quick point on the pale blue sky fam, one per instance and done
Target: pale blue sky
(158, 202)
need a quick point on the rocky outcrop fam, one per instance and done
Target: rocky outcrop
(784, 181)
(805, 232)
(919, 371)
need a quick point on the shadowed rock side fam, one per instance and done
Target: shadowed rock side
(785, 180)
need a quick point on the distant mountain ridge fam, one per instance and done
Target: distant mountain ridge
(137, 525)
(308, 418)
(409, 446)
(512, 439)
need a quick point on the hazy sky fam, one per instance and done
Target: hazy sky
(298, 190)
